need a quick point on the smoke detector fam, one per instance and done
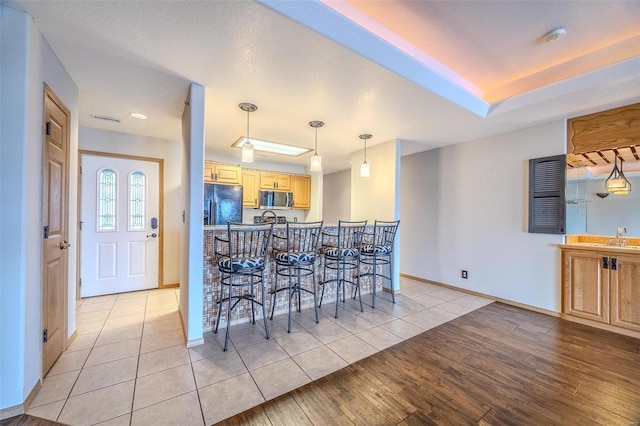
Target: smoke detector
(554, 35)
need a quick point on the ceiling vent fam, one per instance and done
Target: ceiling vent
(106, 118)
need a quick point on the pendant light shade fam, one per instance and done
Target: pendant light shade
(365, 168)
(247, 147)
(617, 182)
(316, 160)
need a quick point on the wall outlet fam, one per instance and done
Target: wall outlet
(465, 274)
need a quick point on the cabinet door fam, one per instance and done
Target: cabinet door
(301, 188)
(625, 291)
(585, 285)
(209, 172)
(228, 174)
(275, 181)
(250, 182)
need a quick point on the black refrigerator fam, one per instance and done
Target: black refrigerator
(222, 204)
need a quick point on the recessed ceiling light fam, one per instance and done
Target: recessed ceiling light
(273, 147)
(138, 115)
(554, 35)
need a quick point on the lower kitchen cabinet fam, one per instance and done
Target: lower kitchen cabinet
(625, 292)
(585, 285)
(602, 286)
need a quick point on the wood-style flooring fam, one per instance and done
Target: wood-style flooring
(498, 365)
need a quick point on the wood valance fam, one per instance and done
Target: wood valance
(605, 130)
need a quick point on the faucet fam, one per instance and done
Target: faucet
(621, 230)
(273, 214)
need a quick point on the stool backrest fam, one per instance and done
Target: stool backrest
(384, 232)
(249, 240)
(350, 233)
(303, 236)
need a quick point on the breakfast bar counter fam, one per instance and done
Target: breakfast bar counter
(242, 312)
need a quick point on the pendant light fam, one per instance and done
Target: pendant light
(247, 147)
(365, 168)
(617, 182)
(316, 160)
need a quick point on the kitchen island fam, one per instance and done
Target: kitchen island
(242, 312)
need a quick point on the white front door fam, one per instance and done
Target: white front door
(120, 225)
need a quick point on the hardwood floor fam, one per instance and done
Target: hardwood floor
(498, 365)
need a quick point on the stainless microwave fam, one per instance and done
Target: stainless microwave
(276, 200)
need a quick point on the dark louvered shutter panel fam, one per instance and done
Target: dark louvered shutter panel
(546, 194)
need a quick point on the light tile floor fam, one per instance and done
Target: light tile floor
(129, 364)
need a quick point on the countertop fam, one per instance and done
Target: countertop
(599, 243)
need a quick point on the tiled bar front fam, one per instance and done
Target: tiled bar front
(242, 312)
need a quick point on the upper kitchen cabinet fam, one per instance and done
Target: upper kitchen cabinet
(301, 188)
(275, 181)
(250, 188)
(222, 173)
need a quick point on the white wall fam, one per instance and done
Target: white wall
(336, 199)
(27, 63)
(192, 242)
(171, 152)
(465, 207)
(376, 197)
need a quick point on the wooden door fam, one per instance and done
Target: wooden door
(250, 194)
(54, 218)
(585, 285)
(121, 221)
(301, 188)
(625, 291)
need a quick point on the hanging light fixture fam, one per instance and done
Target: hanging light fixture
(316, 160)
(617, 182)
(365, 168)
(247, 147)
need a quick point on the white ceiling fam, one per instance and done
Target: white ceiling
(429, 73)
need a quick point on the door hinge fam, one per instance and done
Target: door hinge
(45, 336)
(80, 224)
(80, 282)
(45, 232)
(48, 128)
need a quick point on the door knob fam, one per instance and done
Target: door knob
(152, 235)
(64, 245)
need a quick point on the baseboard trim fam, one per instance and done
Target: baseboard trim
(195, 342)
(71, 339)
(601, 326)
(486, 296)
(32, 395)
(16, 410)
(173, 285)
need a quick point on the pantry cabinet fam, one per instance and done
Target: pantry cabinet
(250, 188)
(301, 188)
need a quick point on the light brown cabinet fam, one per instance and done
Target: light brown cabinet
(250, 188)
(602, 286)
(624, 284)
(222, 173)
(278, 181)
(301, 188)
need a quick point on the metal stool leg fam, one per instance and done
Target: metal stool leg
(264, 314)
(226, 336)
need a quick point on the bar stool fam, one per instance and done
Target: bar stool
(342, 254)
(377, 250)
(295, 258)
(241, 259)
